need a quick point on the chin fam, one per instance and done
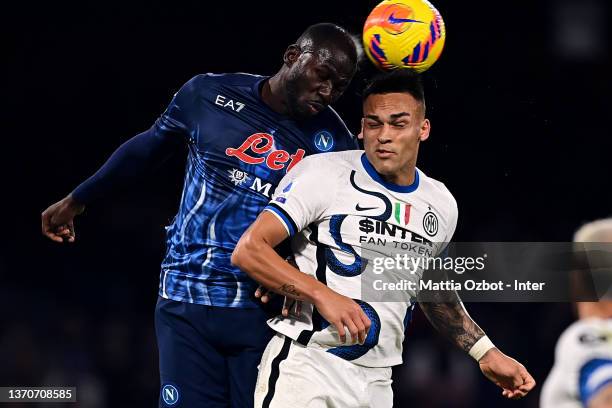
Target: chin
(383, 167)
(300, 115)
(299, 112)
(388, 172)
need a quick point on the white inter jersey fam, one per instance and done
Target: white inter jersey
(334, 205)
(583, 365)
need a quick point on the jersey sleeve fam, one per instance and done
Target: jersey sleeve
(178, 118)
(557, 391)
(126, 165)
(594, 376)
(452, 224)
(303, 196)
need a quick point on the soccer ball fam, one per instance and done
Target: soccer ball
(404, 34)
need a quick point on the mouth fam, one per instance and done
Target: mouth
(315, 107)
(384, 153)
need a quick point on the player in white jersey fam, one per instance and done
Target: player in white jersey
(582, 374)
(332, 207)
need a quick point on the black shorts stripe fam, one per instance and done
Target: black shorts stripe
(275, 372)
(286, 214)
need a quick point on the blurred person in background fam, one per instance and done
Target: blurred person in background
(582, 374)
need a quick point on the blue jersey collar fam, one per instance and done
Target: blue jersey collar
(389, 186)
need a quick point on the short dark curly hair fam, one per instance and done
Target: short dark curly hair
(397, 81)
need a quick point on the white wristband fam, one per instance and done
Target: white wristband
(481, 347)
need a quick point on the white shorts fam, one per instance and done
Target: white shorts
(291, 375)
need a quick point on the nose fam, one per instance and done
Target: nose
(384, 136)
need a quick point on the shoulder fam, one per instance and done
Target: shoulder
(583, 338)
(324, 165)
(334, 160)
(207, 80)
(236, 78)
(581, 331)
(439, 191)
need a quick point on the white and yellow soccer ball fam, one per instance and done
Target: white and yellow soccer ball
(404, 34)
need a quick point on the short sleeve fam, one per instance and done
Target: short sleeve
(594, 376)
(303, 195)
(452, 224)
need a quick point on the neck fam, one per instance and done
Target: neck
(405, 177)
(273, 94)
(599, 310)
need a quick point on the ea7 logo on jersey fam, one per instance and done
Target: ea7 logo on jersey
(224, 102)
(261, 143)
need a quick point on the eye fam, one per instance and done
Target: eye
(322, 74)
(399, 125)
(372, 124)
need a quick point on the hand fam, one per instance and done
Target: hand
(506, 373)
(342, 311)
(264, 294)
(58, 220)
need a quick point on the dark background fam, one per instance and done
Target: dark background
(519, 104)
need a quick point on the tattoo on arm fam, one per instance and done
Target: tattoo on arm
(452, 320)
(288, 289)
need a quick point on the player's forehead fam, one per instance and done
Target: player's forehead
(333, 59)
(389, 105)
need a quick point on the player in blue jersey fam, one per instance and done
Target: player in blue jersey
(244, 133)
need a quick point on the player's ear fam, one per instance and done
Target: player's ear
(424, 131)
(292, 53)
(360, 135)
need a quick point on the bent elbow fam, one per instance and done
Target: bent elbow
(237, 256)
(242, 253)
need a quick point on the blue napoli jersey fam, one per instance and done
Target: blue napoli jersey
(239, 150)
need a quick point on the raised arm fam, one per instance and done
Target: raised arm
(127, 164)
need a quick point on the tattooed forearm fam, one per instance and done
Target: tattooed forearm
(451, 320)
(288, 289)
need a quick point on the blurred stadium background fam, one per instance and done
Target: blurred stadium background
(520, 111)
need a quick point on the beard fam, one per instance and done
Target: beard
(295, 110)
